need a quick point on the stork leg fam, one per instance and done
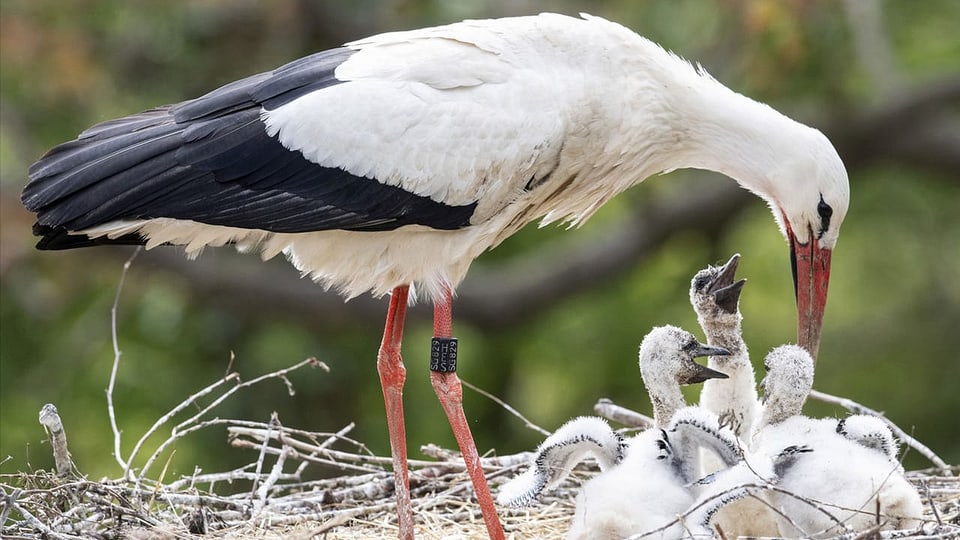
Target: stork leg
(392, 377)
(447, 386)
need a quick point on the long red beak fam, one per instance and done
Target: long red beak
(811, 275)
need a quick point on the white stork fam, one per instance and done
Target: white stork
(396, 160)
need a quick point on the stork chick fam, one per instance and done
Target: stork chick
(847, 482)
(715, 297)
(637, 490)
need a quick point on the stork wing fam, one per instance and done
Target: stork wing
(559, 453)
(419, 131)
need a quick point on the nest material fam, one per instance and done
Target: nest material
(263, 500)
(272, 497)
(272, 503)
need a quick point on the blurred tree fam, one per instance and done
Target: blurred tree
(549, 321)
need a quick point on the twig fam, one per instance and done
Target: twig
(500, 462)
(241, 473)
(933, 507)
(8, 502)
(274, 421)
(166, 418)
(50, 419)
(611, 411)
(180, 429)
(508, 408)
(857, 408)
(260, 434)
(340, 458)
(116, 363)
(332, 523)
(333, 458)
(107, 501)
(34, 522)
(229, 369)
(227, 476)
(279, 374)
(330, 440)
(264, 490)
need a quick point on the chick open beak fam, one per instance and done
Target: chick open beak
(726, 292)
(702, 373)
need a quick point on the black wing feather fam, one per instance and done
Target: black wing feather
(210, 160)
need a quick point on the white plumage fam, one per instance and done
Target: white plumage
(831, 471)
(530, 117)
(641, 488)
(873, 433)
(575, 441)
(789, 475)
(653, 492)
(854, 486)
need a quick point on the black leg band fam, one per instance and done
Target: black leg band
(443, 355)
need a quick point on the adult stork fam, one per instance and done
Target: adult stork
(394, 161)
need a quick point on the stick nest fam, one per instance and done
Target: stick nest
(266, 502)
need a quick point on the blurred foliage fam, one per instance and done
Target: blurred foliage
(889, 339)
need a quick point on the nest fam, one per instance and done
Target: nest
(359, 504)
(269, 498)
(275, 504)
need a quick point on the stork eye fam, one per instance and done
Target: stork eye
(824, 209)
(826, 212)
(690, 345)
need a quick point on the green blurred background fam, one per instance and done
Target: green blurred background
(551, 320)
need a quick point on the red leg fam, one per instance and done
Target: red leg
(448, 389)
(392, 376)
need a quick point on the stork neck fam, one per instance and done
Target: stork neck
(723, 331)
(666, 399)
(731, 134)
(776, 411)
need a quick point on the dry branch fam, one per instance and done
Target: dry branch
(116, 362)
(622, 415)
(50, 419)
(506, 407)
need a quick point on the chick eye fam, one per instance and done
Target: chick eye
(700, 282)
(826, 212)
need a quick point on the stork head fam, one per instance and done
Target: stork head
(809, 196)
(793, 167)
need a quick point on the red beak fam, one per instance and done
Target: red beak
(811, 275)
